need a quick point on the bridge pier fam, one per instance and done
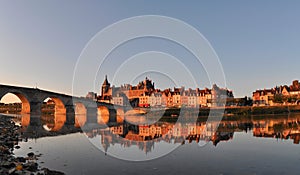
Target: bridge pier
(112, 116)
(91, 114)
(70, 119)
(91, 111)
(91, 119)
(35, 108)
(35, 126)
(70, 110)
(35, 120)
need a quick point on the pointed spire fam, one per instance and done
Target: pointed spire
(106, 81)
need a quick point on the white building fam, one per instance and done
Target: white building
(155, 99)
(118, 100)
(192, 100)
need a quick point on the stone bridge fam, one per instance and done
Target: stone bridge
(33, 98)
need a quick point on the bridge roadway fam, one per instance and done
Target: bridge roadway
(33, 98)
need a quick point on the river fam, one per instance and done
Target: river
(240, 145)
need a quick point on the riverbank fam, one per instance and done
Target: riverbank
(10, 135)
(231, 111)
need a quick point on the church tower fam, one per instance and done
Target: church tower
(105, 87)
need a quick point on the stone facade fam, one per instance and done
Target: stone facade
(279, 95)
(145, 94)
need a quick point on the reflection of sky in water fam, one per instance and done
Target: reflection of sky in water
(75, 154)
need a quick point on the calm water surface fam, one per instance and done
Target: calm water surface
(247, 145)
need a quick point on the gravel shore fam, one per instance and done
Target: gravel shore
(10, 135)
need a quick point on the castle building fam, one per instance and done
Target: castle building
(111, 93)
(144, 94)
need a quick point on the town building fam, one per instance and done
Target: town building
(279, 95)
(191, 97)
(220, 96)
(155, 99)
(144, 94)
(118, 100)
(263, 97)
(92, 96)
(295, 88)
(177, 96)
(204, 98)
(144, 100)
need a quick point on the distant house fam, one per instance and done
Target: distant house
(166, 98)
(263, 97)
(192, 97)
(144, 100)
(219, 96)
(285, 90)
(92, 96)
(282, 95)
(203, 97)
(192, 100)
(155, 99)
(120, 99)
(177, 96)
(295, 88)
(184, 100)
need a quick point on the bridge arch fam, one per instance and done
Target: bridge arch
(103, 114)
(80, 120)
(53, 123)
(80, 108)
(80, 114)
(23, 98)
(25, 120)
(59, 106)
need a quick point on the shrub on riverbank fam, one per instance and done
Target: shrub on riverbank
(243, 110)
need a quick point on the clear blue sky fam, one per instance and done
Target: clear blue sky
(257, 41)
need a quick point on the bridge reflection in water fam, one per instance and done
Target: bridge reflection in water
(145, 136)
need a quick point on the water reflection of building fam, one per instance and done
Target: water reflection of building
(221, 136)
(288, 128)
(150, 132)
(117, 130)
(296, 138)
(146, 136)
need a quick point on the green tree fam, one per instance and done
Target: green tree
(278, 98)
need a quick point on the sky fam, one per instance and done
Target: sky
(256, 42)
